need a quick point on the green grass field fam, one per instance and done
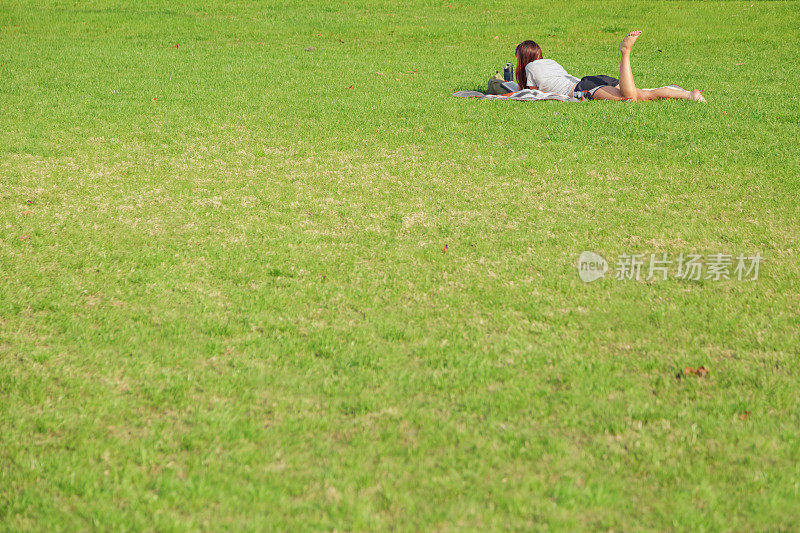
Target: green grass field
(249, 286)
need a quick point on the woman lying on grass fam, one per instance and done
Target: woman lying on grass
(534, 72)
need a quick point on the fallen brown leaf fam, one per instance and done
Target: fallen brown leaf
(699, 371)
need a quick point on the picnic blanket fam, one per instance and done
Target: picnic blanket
(525, 94)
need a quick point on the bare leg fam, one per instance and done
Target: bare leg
(645, 95)
(626, 85)
(670, 92)
(626, 90)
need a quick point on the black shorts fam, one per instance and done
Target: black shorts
(584, 89)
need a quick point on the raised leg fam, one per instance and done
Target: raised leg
(626, 85)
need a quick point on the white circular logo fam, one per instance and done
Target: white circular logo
(591, 266)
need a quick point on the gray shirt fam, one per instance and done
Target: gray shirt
(549, 76)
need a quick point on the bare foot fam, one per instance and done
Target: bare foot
(628, 40)
(697, 96)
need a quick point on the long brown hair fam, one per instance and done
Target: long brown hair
(526, 52)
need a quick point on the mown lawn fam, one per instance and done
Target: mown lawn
(259, 270)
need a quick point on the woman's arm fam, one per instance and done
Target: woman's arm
(530, 76)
